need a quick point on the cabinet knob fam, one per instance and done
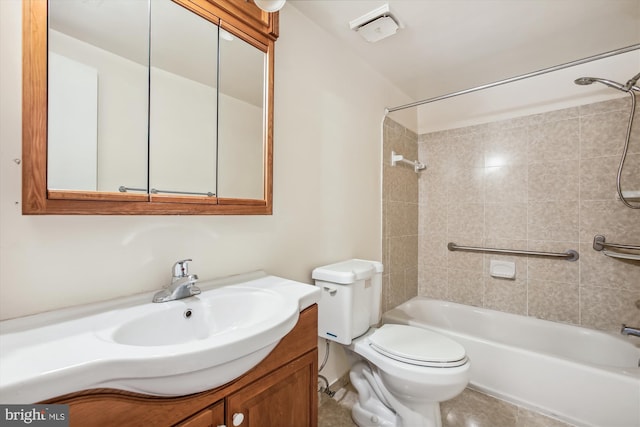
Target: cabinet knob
(238, 419)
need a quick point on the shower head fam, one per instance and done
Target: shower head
(583, 81)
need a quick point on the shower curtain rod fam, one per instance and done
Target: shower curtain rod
(516, 78)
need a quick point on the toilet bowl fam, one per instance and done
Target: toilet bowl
(401, 373)
(410, 371)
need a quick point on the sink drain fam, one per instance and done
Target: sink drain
(187, 313)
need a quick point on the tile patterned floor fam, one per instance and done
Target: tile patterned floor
(336, 411)
(471, 408)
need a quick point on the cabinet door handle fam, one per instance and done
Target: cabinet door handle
(238, 419)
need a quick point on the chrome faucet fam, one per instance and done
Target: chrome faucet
(629, 330)
(182, 285)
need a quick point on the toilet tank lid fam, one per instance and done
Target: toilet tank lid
(347, 272)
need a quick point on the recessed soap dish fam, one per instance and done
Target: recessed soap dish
(502, 269)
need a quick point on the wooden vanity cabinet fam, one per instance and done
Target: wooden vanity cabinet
(210, 417)
(280, 391)
(280, 399)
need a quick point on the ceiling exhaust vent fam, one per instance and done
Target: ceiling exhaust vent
(376, 25)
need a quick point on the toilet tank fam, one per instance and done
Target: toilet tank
(350, 301)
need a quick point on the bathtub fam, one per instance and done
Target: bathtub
(580, 376)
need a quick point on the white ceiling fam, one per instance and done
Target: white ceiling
(451, 45)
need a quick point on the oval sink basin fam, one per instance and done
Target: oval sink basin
(165, 349)
(230, 310)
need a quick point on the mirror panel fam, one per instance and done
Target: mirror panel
(97, 97)
(101, 193)
(242, 100)
(182, 101)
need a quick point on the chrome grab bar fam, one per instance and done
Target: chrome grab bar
(569, 255)
(599, 244)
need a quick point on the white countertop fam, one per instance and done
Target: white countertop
(54, 353)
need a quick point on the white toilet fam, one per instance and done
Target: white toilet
(401, 372)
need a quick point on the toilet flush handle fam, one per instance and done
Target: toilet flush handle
(331, 291)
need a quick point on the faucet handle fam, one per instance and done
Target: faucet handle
(181, 268)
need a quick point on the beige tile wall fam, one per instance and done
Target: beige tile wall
(544, 182)
(400, 217)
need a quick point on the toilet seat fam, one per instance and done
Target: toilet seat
(417, 346)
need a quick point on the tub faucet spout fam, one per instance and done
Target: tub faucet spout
(629, 330)
(182, 285)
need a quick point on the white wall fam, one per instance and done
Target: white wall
(72, 150)
(240, 149)
(122, 111)
(182, 134)
(328, 110)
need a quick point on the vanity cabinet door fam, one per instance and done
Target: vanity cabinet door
(285, 398)
(210, 417)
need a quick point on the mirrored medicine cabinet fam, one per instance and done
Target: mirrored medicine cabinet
(147, 107)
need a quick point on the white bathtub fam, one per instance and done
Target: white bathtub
(580, 376)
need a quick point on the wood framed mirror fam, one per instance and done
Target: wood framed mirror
(241, 20)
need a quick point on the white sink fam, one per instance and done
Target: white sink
(223, 314)
(163, 349)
